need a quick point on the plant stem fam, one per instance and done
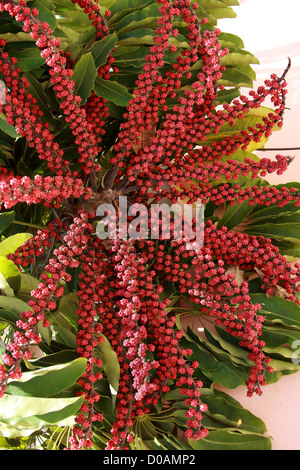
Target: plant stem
(19, 222)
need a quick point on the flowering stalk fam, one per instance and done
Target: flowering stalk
(50, 288)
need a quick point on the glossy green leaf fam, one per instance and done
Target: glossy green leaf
(217, 365)
(112, 367)
(28, 59)
(6, 219)
(220, 13)
(288, 231)
(235, 215)
(14, 304)
(135, 59)
(101, 49)
(139, 19)
(45, 14)
(231, 413)
(10, 273)
(275, 336)
(84, 76)
(10, 130)
(239, 56)
(5, 287)
(278, 310)
(231, 440)
(12, 243)
(28, 284)
(68, 306)
(112, 91)
(22, 407)
(235, 78)
(122, 8)
(227, 39)
(141, 36)
(8, 316)
(49, 380)
(36, 89)
(21, 416)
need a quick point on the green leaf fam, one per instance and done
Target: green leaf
(10, 273)
(7, 128)
(122, 8)
(45, 13)
(14, 304)
(68, 306)
(12, 243)
(217, 365)
(28, 59)
(112, 368)
(239, 56)
(275, 336)
(236, 78)
(231, 440)
(5, 287)
(220, 13)
(101, 49)
(36, 89)
(17, 406)
(227, 39)
(289, 231)
(20, 416)
(136, 59)
(230, 412)
(112, 91)
(141, 36)
(6, 219)
(235, 215)
(277, 310)
(84, 75)
(139, 19)
(49, 380)
(28, 284)
(8, 316)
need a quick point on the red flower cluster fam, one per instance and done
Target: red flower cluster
(122, 283)
(49, 290)
(140, 329)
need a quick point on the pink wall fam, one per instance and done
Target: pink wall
(271, 31)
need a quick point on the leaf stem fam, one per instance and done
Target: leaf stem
(19, 222)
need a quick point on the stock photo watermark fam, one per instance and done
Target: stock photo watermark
(159, 221)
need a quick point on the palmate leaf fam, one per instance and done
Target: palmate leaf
(224, 414)
(216, 364)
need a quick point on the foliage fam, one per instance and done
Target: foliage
(100, 339)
